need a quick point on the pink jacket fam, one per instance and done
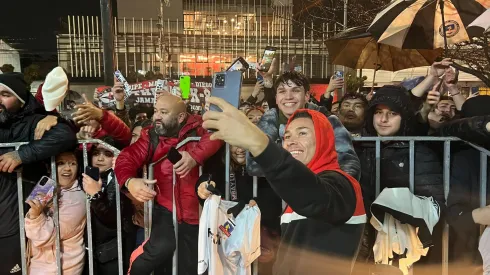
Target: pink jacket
(40, 232)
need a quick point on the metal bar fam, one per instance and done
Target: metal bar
(84, 52)
(90, 248)
(255, 264)
(311, 50)
(396, 138)
(56, 216)
(75, 47)
(304, 46)
(143, 50)
(323, 55)
(483, 179)
(88, 46)
(71, 47)
(227, 172)
(378, 167)
(125, 47)
(412, 166)
(445, 234)
(80, 46)
(119, 227)
(20, 199)
(134, 49)
(98, 44)
(175, 258)
(95, 49)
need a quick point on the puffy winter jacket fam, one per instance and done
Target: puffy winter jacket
(136, 155)
(21, 129)
(111, 125)
(472, 129)
(348, 160)
(41, 234)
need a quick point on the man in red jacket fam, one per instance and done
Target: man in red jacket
(171, 124)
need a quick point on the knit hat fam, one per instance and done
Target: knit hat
(398, 100)
(54, 88)
(15, 84)
(476, 106)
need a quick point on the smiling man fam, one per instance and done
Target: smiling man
(324, 220)
(292, 93)
(171, 125)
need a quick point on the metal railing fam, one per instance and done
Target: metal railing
(484, 154)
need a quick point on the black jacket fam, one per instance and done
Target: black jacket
(268, 201)
(464, 197)
(21, 128)
(321, 240)
(104, 215)
(395, 169)
(472, 129)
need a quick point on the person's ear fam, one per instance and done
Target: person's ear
(181, 117)
(307, 96)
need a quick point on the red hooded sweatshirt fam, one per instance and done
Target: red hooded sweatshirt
(324, 221)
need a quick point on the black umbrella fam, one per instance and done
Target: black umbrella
(418, 24)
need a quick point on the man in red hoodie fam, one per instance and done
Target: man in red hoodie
(324, 220)
(171, 125)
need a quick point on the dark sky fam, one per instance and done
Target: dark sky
(31, 25)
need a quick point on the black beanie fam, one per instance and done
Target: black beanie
(395, 97)
(476, 106)
(15, 83)
(398, 100)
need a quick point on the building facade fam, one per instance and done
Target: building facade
(196, 38)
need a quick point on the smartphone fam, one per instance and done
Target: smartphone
(185, 86)
(227, 85)
(266, 61)
(338, 74)
(43, 191)
(173, 155)
(120, 78)
(92, 172)
(259, 78)
(238, 65)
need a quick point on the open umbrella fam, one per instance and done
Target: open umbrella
(357, 49)
(481, 25)
(418, 24)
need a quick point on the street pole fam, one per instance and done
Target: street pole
(108, 41)
(344, 90)
(163, 64)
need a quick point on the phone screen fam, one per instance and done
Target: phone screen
(92, 172)
(267, 58)
(185, 86)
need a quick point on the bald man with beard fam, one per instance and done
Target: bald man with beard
(171, 125)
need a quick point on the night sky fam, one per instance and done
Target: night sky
(31, 25)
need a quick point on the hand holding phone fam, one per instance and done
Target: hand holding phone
(267, 58)
(93, 172)
(43, 191)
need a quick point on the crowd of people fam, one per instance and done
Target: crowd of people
(300, 149)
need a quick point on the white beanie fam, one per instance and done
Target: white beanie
(54, 88)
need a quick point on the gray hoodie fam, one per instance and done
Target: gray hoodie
(347, 158)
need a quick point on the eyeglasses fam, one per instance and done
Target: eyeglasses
(108, 154)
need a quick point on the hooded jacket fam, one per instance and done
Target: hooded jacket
(41, 234)
(325, 217)
(21, 128)
(348, 160)
(132, 158)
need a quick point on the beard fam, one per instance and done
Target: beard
(5, 116)
(169, 129)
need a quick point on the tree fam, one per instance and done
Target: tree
(7, 68)
(475, 55)
(354, 82)
(31, 73)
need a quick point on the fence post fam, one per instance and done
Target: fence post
(20, 198)
(255, 264)
(445, 233)
(56, 215)
(90, 248)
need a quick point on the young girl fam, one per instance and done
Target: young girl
(40, 229)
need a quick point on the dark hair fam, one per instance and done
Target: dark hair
(255, 109)
(301, 114)
(295, 77)
(445, 97)
(138, 110)
(354, 96)
(143, 123)
(246, 103)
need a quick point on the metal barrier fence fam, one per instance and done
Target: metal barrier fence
(484, 154)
